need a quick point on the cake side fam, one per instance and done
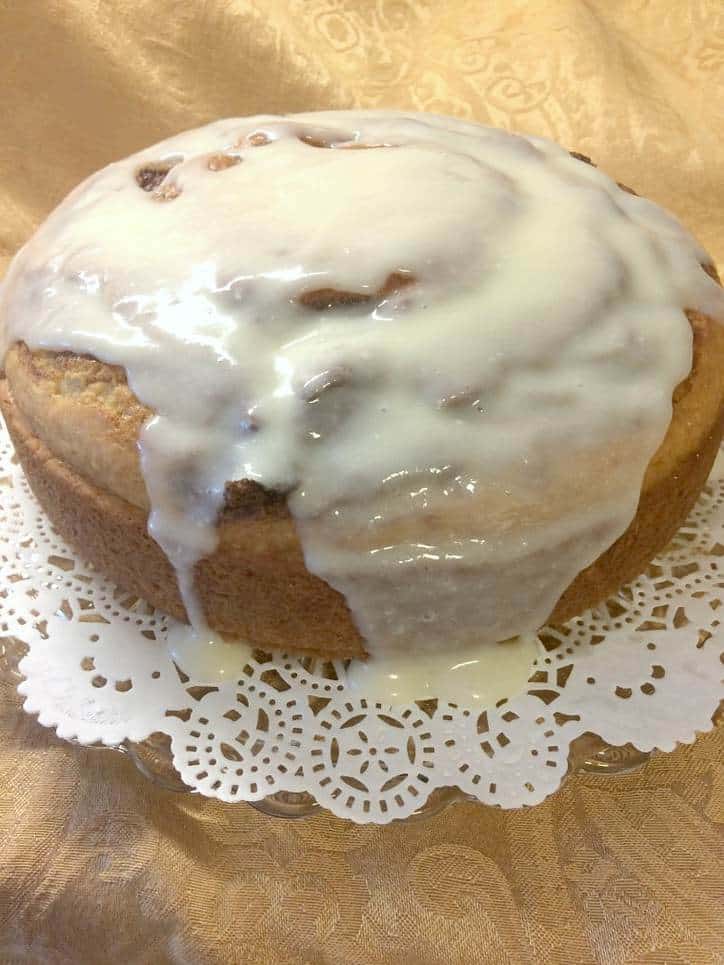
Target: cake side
(255, 585)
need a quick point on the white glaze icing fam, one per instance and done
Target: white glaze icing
(474, 676)
(477, 675)
(204, 655)
(454, 451)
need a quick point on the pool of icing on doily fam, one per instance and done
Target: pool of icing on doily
(471, 675)
(459, 439)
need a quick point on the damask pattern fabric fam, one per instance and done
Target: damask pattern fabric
(96, 865)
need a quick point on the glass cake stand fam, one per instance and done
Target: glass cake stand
(153, 760)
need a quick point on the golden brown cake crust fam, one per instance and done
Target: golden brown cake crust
(256, 586)
(86, 413)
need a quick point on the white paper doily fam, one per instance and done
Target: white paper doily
(646, 668)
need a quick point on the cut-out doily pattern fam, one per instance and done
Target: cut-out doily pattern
(645, 668)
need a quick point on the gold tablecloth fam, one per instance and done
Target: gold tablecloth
(96, 865)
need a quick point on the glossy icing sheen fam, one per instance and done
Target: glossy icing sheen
(457, 445)
(467, 675)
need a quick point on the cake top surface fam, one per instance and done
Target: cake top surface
(453, 347)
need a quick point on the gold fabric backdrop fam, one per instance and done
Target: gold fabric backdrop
(98, 866)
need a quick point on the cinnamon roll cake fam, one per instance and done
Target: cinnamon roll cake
(363, 382)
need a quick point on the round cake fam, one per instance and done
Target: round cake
(363, 382)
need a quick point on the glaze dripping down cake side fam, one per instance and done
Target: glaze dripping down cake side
(363, 382)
